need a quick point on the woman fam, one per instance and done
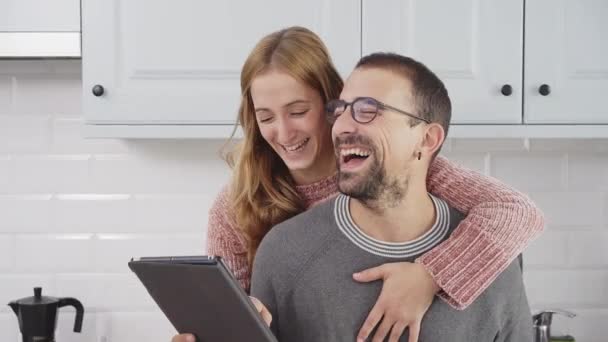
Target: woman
(285, 165)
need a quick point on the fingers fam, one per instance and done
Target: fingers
(397, 331)
(183, 338)
(266, 315)
(372, 320)
(371, 274)
(256, 302)
(414, 331)
(383, 330)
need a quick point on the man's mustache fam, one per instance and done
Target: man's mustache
(352, 140)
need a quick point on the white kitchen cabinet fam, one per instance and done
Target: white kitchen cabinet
(474, 46)
(566, 50)
(171, 68)
(40, 16)
(39, 28)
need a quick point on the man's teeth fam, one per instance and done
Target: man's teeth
(354, 151)
(295, 147)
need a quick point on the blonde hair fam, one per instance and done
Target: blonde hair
(262, 191)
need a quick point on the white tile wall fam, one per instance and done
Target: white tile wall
(73, 211)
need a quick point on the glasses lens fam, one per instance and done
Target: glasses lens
(333, 109)
(365, 109)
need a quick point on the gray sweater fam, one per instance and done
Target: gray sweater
(303, 274)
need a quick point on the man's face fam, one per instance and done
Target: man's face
(374, 159)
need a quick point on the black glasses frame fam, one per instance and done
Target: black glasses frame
(332, 117)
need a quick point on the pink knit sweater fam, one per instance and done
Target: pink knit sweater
(500, 222)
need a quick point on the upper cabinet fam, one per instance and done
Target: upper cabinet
(39, 29)
(155, 62)
(566, 62)
(474, 46)
(156, 68)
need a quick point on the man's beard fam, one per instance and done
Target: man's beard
(375, 189)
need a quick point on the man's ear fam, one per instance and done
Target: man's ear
(432, 139)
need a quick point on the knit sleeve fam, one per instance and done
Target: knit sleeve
(226, 241)
(500, 222)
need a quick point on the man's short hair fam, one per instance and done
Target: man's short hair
(430, 95)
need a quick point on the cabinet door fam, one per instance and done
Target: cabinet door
(566, 50)
(40, 16)
(474, 46)
(178, 62)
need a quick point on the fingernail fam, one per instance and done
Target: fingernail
(190, 338)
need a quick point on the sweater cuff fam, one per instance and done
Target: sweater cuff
(464, 266)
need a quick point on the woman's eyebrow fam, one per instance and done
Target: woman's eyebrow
(296, 102)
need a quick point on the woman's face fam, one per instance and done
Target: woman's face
(291, 118)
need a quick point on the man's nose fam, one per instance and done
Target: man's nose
(345, 124)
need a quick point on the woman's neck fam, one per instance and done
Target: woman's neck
(324, 168)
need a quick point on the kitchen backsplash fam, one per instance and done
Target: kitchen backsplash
(73, 211)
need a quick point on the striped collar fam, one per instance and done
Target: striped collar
(408, 249)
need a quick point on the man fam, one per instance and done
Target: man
(389, 124)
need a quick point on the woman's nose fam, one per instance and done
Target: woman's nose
(285, 131)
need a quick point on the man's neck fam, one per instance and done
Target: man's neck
(407, 220)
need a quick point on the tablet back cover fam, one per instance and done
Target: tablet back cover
(204, 300)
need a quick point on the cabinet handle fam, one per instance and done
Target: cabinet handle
(98, 90)
(544, 90)
(506, 90)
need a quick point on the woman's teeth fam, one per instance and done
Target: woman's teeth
(296, 147)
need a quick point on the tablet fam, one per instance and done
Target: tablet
(199, 295)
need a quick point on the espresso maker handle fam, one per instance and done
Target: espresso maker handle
(79, 311)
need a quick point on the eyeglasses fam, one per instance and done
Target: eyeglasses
(363, 110)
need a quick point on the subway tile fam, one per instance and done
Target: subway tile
(570, 208)
(549, 249)
(178, 175)
(569, 145)
(54, 252)
(65, 326)
(447, 145)
(25, 134)
(120, 327)
(588, 248)
(567, 287)
(6, 94)
(26, 67)
(473, 161)
(528, 172)
(54, 94)
(113, 174)
(605, 210)
(588, 172)
(25, 213)
(72, 67)
(589, 325)
(17, 286)
(487, 145)
(179, 167)
(113, 251)
(105, 291)
(9, 327)
(52, 174)
(68, 138)
(171, 213)
(7, 174)
(7, 252)
(92, 213)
